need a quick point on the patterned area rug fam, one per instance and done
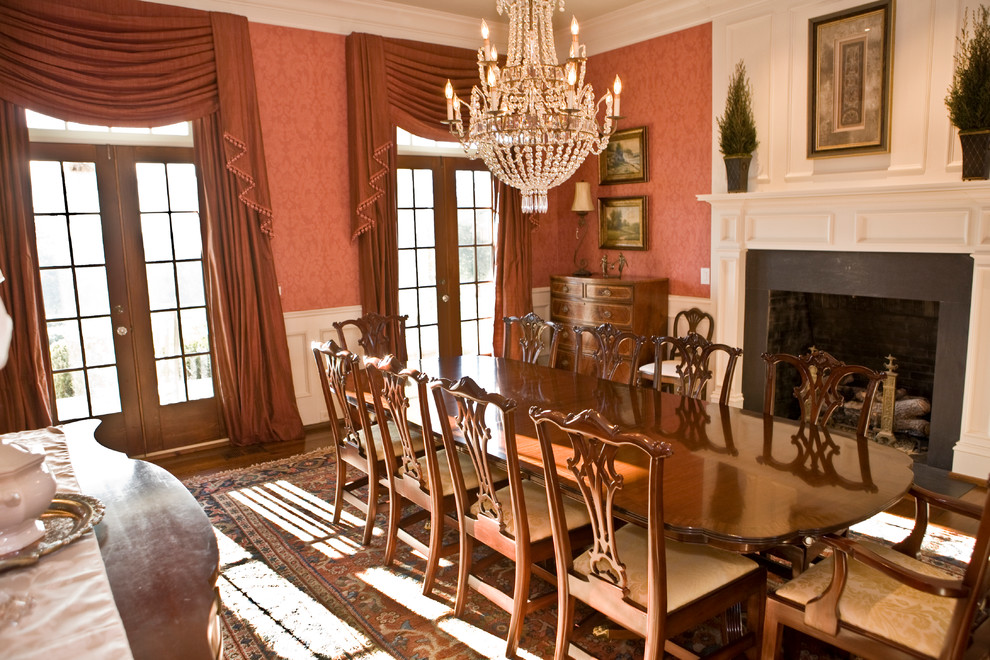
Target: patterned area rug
(295, 586)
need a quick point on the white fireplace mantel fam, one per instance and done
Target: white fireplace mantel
(932, 218)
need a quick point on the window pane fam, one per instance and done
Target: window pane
(407, 268)
(469, 301)
(465, 227)
(187, 235)
(409, 304)
(430, 341)
(191, 290)
(482, 189)
(182, 193)
(485, 330)
(486, 300)
(483, 221)
(80, 188)
(407, 229)
(427, 305)
(195, 334)
(425, 236)
(161, 286)
(64, 345)
(464, 182)
(53, 240)
(484, 263)
(70, 396)
(38, 120)
(423, 183)
(465, 260)
(156, 233)
(152, 187)
(165, 334)
(182, 128)
(412, 343)
(94, 299)
(427, 267)
(199, 377)
(87, 240)
(171, 385)
(404, 189)
(46, 186)
(59, 295)
(98, 340)
(104, 391)
(469, 337)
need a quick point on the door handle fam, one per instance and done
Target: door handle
(121, 330)
(445, 298)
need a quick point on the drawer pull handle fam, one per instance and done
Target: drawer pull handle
(606, 292)
(565, 288)
(606, 314)
(565, 308)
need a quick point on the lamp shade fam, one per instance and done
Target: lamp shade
(582, 198)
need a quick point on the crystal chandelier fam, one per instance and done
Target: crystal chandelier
(533, 121)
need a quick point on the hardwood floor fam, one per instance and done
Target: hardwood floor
(204, 462)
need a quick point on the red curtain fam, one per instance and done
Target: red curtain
(513, 260)
(392, 82)
(129, 63)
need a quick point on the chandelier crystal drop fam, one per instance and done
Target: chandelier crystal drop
(532, 121)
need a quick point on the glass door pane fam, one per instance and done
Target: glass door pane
(418, 262)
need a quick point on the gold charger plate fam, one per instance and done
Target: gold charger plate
(69, 516)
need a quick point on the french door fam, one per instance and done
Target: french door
(120, 259)
(446, 255)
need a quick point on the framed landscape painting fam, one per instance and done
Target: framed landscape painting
(849, 81)
(624, 160)
(622, 223)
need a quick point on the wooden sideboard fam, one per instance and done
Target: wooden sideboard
(631, 303)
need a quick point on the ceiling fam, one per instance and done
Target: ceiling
(605, 24)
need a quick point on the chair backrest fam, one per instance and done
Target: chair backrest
(614, 353)
(817, 393)
(388, 383)
(537, 339)
(340, 377)
(379, 335)
(691, 320)
(595, 443)
(471, 406)
(694, 353)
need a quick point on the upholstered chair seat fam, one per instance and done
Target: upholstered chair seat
(538, 512)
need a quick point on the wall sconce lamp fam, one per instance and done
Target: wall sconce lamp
(582, 206)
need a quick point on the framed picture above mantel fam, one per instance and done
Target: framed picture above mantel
(622, 223)
(849, 81)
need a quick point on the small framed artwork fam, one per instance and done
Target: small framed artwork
(624, 160)
(622, 223)
(849, 81)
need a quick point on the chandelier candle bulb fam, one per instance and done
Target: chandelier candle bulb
(449, 93)
(484, 35)
(574, 37)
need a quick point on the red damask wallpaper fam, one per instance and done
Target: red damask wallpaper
(302, 96)
(666, 86)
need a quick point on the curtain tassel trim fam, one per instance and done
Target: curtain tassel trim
(375, 181)
(249, 184)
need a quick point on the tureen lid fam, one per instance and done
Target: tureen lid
(15, 457)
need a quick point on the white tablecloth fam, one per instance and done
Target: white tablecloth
(72, 613)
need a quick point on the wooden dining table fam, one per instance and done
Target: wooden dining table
(736, 480)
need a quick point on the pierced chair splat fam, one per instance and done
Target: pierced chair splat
(650, 585)
(693, 364)
(535, 338)
(686, 322)
(378, 335)
(615, 354)
(512, 520)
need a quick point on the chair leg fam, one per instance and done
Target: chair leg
(463, 571)
(436, 545)
(392, 528)
(755, 614)
(338, 490)
(565, 622)
(773, 633)
(520, 597)
(371, 512)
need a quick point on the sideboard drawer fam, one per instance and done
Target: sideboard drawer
(567, 311)
(616, 292)
(618, 315)
(565, 288)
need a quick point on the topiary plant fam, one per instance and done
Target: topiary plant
(737, 128)
(968, 100)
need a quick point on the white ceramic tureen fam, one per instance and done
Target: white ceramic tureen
(26, 489)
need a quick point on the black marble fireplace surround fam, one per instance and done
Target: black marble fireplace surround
(943, 278)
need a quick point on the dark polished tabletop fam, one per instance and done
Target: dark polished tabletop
(737, 480)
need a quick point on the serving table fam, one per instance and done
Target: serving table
(737, 480)
(158, 550)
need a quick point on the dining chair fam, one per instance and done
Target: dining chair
(877, 601)
(379, 335)
(492, 515)
(614, 353)
(686, 322)
(653, 586)
(819, 376)
(536, 339)
(342, 380)
(692, 367)
(417, 473)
